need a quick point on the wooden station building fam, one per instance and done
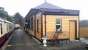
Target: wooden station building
(53, 22)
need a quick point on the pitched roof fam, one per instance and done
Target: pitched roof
(61, 12)
(47, 6)
(49, 9)
(52, 9)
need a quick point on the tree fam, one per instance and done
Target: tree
(4, 15)
(18, 19)
(10, 18)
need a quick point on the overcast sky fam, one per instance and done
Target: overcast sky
(23, 6)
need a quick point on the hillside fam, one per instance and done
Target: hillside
(84, 23)
(84, 28)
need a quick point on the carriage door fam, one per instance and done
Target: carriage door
(0, 30)
(72, 30)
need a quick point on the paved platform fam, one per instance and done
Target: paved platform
(21, 41)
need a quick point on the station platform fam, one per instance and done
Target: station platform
(22, 41)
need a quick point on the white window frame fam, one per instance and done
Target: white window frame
(60, 24)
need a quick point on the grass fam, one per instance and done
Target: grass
(84, 32)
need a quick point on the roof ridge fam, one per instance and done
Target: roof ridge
(47, 5)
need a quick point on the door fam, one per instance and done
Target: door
(0, 30)
(72, 30)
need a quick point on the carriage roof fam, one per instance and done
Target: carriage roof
(3, 20)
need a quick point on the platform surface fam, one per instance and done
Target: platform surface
(21, 41)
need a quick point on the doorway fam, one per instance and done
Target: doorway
(73, 29)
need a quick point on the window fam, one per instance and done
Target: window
(28, 24)
(1, 28)
(38, 14)
(31, 23)
(37, 25)
(58, 24)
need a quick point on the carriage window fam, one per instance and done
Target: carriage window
(58, 24)
(1, 28)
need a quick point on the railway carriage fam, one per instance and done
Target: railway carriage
(55, 23)
(6, 28)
